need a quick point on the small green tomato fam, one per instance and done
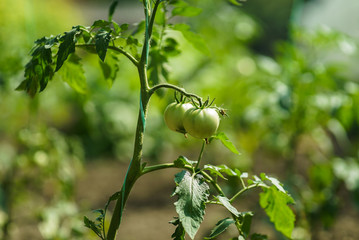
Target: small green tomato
(201, 123)
(174, 114)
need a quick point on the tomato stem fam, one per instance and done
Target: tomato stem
(200, 154)
(134, 169)
(246, 189)
(117, 49)
(178, 89)
(164, 166)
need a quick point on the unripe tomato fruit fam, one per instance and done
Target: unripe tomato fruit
(174, 114)
(201, 123)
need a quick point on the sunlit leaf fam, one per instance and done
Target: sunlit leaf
(110, 68)
(275, 203)
(196, 40)
(182, 8)
(226, 203)
(73, 74)
(274, 181)
(192, 192)
(218, 170)
(225, 141)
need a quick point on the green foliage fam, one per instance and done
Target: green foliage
(225, 141)
(67, 46)
(227, 204)
(274, 202)
(179, 233)
(73, 74)
(40, 69)
(96, 228)
(182, 8)
(221, 226)
(110, 68)
(246, 223)
(192, 192)
(102, 39)
(195, 39)
(236, 2)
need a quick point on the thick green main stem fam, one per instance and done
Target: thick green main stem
(134, 172)
(134, 169)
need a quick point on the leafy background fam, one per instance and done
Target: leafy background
(289, 84)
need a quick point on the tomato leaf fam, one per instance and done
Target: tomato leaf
(221, 226)
(102, 39)
(110, 68)
(179, 233)
(112, 9)
(105, 25)
(225, 141)
(182, 8)
(192, 192)
(218, 170)
(195, 39)
(67, 46)
(113, 197)
(73, 74)
(225, 202)
(39, 70)
(246, 223)
(275, 203)
(158, 71)
(274, 181)
(93, 226)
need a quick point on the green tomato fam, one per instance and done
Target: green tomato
(201, 123)
(174, 114)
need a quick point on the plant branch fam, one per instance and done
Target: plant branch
(117, 49)
(150, 19)
(244, 190)
(179, 89)
(200, 154)
(164, 166)
(214, 183)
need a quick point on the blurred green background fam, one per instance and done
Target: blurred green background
(286, 71)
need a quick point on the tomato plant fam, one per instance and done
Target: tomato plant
(148, 46)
